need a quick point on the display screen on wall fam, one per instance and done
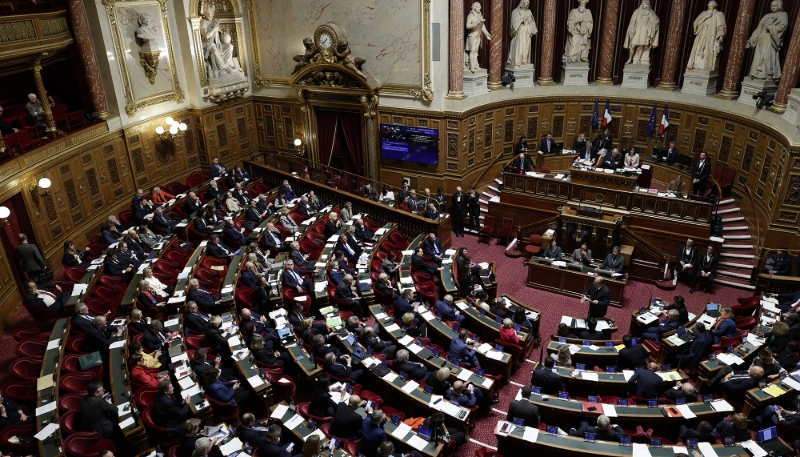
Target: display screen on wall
(412, 144)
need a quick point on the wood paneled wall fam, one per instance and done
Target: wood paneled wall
(278, 122)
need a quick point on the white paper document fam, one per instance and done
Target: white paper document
(231, 446)
(52, 344)
(531, 434)
(405, 340)
(721, 405)
(609, 410)
(496, 355)
(640, 450)
(753, 447)
(127, 423)
(172, 322)
(685, 411)
(680, 450)
(392, 328)
(185, 382)
(410, 386)
(190, 392)
(293, 422)
(390, 376)
(401, 431)
(590, 376)
(628, 374)
(729, 359)
(255, 381)
(46, 408)
(47, 431)
(464, 375)
(279, 412)
(706, 450)
(417, 443)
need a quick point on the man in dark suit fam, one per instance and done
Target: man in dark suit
(262, 293)
(524, 409)
(419, 263)
(345, 292)
(351, 252)
(97, 337)
(153, 338)
(217, 248)
(116, 267)
(204, 298)
(683, 262)
(632, 355)
(341, 370)
(582, 255)
(202, 226)
(346, 423)
(98, 414)
(128, 257)
(590, 333)
(12, 414)
(214, 191)
(217, 169)
(706, 267)
(447, 311)
(604, 141)
(433, 247)
(703, 433)
(403, 305)
(30, 259)
(779, 263)
(682, 390)
(613, 161)
(252, 432)
(272, 446)
(700, 347)
(169, 412)
(83, 318)
(272, 238)
(613, 261)
(460, 206)
(45, 299)
(292, 278)
(415, 370)
(136, 245)
(192, 203)
(700, 173)
(672, 153)
(464, 395)
(727, 381)
(736, 427)
(603, 431)
(240, 194)
(523, 163)
(656, 332)
(195, 320)
(166, 223)
(235, 233)
(141, 211)
(646, 383)
(548, 146)
(252, 215)
(544, 378)
(461, 348)
(264, 206)
(598, 296)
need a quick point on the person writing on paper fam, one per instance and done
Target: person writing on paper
(677, 185)
(98, 413)
(553, 251)
(613, 262)
(598, 296)
(582, 255)
(440, 433)
(447, 311)
(632, 158)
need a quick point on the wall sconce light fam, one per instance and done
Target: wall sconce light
(166, 138)
(298, 144)
(4, 213)
(40, 189)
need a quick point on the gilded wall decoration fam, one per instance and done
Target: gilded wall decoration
(269, 123)
(508, 137)
(487, 133)
(471, 148)
(222, 135)
(50, 208)
(65, 170)
(139, 92)
(138, 161)
(91, 178)
(558, 126)
(533, 124)
(72, 195)
(113, 171)
(765, 169)
(452, 145)
(241, 127)
(422, 122)
(452, 125)
(725, 149)
(641, 131)
(793, 192)
(749, 152)
(778, 178)
(699, 140)
(787, 216)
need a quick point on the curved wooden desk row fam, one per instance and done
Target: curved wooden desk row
(450, 282)
(414, 399)
(514, 444)
(596, 354)
(302, 359)
(51, 447)
(426, 356)
(615, 384)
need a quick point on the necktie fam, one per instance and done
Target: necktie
(435, 249)
(296, 277)
(349, 250)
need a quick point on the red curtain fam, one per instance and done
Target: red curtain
(326, 129)
(18, 222)
(350, 123)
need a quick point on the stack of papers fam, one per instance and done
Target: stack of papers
(721, 405)
(729, 359)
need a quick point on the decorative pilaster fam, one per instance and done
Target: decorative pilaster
(496, 45)
(791, 70)
(456, 49)
(83, 40)
(733, 69)
(548, 43)
(41, 92)
(672, 45)
(607, 46)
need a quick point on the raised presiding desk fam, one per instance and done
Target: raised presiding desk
(563, 280)
(603, 178)
(555, 161)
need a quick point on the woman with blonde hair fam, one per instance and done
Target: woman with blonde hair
(313, 447)
(160, 197)
(286, 220)
(564, 357)
(232, 203)
(162, 290)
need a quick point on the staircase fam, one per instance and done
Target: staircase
(735, 259)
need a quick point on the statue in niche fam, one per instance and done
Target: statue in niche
(217, 54)
(642, 34)
(345, 57)
(476, 29)
(305, 58)
(709, 31)
(523, 28)
(579, 32)
(147, 33)
(767, 40)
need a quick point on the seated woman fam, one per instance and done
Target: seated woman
(139, 323)
(631, 158)
(286, 221)
(519, 318)
(387, 196)
(441, 433)
(140, 374)
(564, 357)
(306, 334)
(507, 333)
(280, 200)
(579, 146)
(440, 383)
(191, 431)
(215, 340)
(149, 297)
(148, 237)
(410, 327)
(404, 204)
(160, 197)
(149, 360)
(269, 356)
(75, 258)
(322, 405)
(553, 251)
(162, 290)
(232, 203)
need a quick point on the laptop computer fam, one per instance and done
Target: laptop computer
(712, 309)
(424, 432)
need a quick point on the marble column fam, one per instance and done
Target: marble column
(733, 68)
(496, 45)
(456, 49)
(672, 45)
(548, 43)
(791, 70)
(607, 46)
(80, 25)
(41, 92)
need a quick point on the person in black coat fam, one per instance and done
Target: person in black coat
(269, 356)
(544, 378)
(234, 233)
(205, 299)
(253, 432)
(97, 339)
(217, 248)
(117, 267)
(646, 383)
(195, 320)
(384, 286)
(523, 163)
(524, 409)
(706, 268)
(683, 313)
(345, 292)
(166, 223)
(440, 381)
(419, 263)
(341, 370)
(460, 206)
(347, 422)
(474, 208)
(590, 333)
(262, 295)
(735, 427)
(169, 412)
(44, 299)
(12, 414)
(322, 405)
(683, 262)
(153, 338)
(332, 225)
(415, 370)
(604, 431)
(664, 326)
(598, 296)
(701, 170)
(704, 433)
(83, 318)
(291, 278)
(370, 340)
(98, 414)
(682, 390)
(216, 338)
(272, 446)
(632, 355)
(202, 226)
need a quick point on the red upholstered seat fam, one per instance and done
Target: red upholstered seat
(75, 383)
(156, 432)
(534, 248)
(86, 445)
(24, 334)
(69, 402)
(506, 230)
(18, 430)
(485, 233)
(31, 348)
(486, 452)
(26, 368)
(302, 408)
(70, 423)
(223, 412)
(282, 389)
(21, 392)
(70, 365)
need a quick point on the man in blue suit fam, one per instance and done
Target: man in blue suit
(217, 169)
(292, 279)
(646, 383)
(403, 305)
(791, 303)
(433, 247)
(290, 195)
(372, 433)
(195, 320)
(446, 310)
(672, 322)
(341, 370)
(166, 223)
(779, 263)
(701, 347)
(115, 267)
(217, 248)
(460, 349)
(725, 326)
(544, 378)
(672, 153)
(464, 397)
(204, 298)
(234, 233)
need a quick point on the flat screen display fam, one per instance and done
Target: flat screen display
(412, 144)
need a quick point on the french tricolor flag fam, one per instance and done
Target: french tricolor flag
(664, 121)
(607, 115)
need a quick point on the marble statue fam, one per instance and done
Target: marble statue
(476, 28)
(305, 58)
(767, 40)
(523, 27)
(217, 63)
(579, 34)
(642, 34)
(709, 31)
(147, 33)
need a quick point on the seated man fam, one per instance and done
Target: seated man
(703, 433)
(195, 320)
(415, 370)
(126, 256)
(403, 305)
(613, 262)
(632, 356)
(352, 251)
(192, 203)
(613, 161)
(341, 370)
(591, 333)
(646, 383)
(683, 390)
(544, 378)
(305, 207)
(345, 293)
(217, 169)
(433, 247)
(523, 163)
(779, 263)
(372, 341)
(463, 395)
(447, 311)
(731, 382)
(461, 349)
(431, 212)
(346, 423)
(672, 322)
(419, 264)
(292, 278)
(99, 338)
(523, 409)
(363, 234)
(116, 267)
(235, 233)
(164, 222)
(11, 413)
(204, 298)
(604, 431)
(735, 427)
(217, 248)
(296, 320)
(582, 255)
(44, 299)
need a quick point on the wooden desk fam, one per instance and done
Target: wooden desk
(300, 433)
(555, 162)
(602, 357)
(607, 383)
(571, 282)
(51, 446)
(121, 393)
(603, 180)
(247, 370)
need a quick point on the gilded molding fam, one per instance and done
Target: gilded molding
(133, 105)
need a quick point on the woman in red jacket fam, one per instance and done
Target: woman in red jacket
(140, 374)
(160, 197)
(507, 333)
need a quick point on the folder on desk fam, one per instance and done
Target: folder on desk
(591, 408)
(89, 361)
(44, 382)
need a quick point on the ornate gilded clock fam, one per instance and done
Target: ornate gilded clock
(327, 38)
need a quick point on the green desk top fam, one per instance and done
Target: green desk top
(601, 351)
(49, 366)
(117, 364)
(590, 271)
(129, 299)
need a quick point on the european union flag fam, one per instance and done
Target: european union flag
(594, 116)
(651, 127)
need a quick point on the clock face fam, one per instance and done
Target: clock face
(325, 40)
